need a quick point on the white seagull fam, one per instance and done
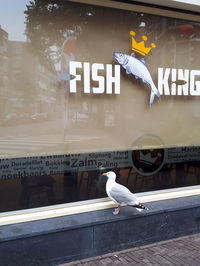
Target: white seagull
(120, 194)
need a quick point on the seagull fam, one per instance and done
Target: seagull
(121, 194)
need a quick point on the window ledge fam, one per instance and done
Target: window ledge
(90, 205)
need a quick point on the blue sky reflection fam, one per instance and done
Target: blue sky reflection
(12, 18)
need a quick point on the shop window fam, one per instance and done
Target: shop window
(92, 89)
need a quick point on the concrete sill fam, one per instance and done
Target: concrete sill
(62, 239)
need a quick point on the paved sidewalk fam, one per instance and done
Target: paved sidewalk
(180, 251)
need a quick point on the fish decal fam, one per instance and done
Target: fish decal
(65, 76)
(138, 68)
(179, 82)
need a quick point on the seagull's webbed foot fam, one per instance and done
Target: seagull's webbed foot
(116, 211)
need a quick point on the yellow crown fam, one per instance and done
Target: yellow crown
(139, 47)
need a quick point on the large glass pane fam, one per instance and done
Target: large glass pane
(79, 92)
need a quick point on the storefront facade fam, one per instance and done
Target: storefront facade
(92, 86)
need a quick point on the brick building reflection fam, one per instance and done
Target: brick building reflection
(28, 89)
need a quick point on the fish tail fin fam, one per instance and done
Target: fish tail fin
(154, 91)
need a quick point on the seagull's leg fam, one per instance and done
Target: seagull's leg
(116, 211)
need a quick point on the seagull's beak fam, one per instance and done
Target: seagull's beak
(104, 174)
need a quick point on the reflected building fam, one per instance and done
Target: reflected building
(3, 71)
(31, 86)
(178, 41)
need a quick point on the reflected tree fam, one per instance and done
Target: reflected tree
(99, 32)
(49, 22)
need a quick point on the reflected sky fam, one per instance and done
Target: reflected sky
(12, 18)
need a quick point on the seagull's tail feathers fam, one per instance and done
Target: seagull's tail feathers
(139, 206)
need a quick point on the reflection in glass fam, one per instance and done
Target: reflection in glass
(35, 187)
(38, 113)
(39, 116)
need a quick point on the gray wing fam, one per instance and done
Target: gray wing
(123, 195)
